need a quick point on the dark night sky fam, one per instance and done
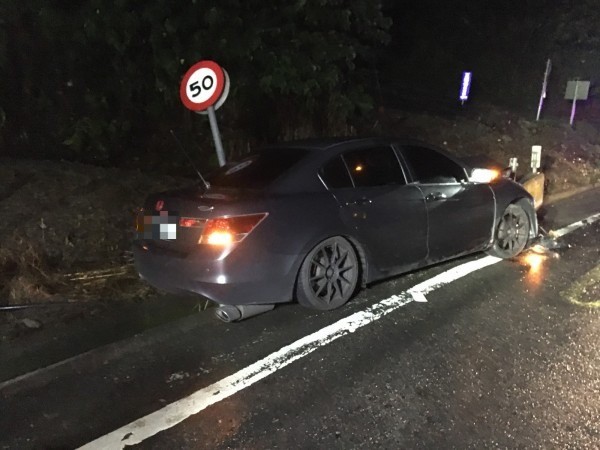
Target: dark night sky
(505, 43)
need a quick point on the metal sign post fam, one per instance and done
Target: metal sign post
(574, 105)
(214, 127)
(576, 90)
(205, 87)
(544, 87)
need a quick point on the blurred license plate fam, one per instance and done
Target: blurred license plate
(157, 226)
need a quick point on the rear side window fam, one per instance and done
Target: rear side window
(335, 174)
(258, 170)
(430, 166)
(377, 166)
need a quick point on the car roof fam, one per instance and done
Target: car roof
(321, 143)
(329, 143)
(304, 176)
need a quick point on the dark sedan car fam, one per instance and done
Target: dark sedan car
(316, 220)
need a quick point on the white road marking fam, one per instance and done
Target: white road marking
(575, 226)
(176, 412)
(418, 296)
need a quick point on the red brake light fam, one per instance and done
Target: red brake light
(228, 230)
(191, 222)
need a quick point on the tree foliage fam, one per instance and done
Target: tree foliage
(98, 77)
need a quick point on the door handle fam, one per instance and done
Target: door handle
(434, 196)
(360, 201)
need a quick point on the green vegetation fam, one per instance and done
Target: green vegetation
(97, 80)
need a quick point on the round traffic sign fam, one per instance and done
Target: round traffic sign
(202, 85)
(223, 96)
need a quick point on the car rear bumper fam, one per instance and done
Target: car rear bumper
(232, 280)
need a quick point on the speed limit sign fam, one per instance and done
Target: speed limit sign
(205, 87)
(202, 85)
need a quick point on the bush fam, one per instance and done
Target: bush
(97, 80)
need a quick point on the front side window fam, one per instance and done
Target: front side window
(430, 167)
(376, 166)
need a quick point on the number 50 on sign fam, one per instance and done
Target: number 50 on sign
(202, 85)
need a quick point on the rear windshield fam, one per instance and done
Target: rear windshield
(258, 170)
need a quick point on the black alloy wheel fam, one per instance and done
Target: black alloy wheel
(512, 233)
(329, 275)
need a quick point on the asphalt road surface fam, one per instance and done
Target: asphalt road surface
(502, 354)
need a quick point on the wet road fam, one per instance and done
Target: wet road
(507, 356)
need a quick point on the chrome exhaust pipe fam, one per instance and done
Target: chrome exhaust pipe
(235, 313)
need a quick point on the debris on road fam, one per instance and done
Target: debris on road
(177, 376)
(31, 323)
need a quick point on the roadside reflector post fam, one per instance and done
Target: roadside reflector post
(536, 157)
(465, 87)
(513, 164)
(544, 87)
(576, 90)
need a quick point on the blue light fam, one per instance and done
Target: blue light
(465, 86)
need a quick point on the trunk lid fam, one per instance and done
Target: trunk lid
(174, 220)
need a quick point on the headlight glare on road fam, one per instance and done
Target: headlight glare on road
(534, 261)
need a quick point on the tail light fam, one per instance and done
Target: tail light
(225, 231)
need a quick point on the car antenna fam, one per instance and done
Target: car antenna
(206, 183)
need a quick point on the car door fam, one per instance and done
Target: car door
(460, 214)
(388, 215)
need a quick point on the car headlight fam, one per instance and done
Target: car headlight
(484, 175)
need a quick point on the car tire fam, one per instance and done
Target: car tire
(329, 275)
(511, 234)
